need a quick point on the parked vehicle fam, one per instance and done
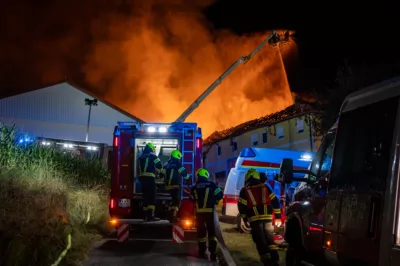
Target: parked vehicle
(267, 162)
(348, 213)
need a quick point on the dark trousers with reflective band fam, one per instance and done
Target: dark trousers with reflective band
(262, 233)
(149, 195)
(175, 194)
(205, 225)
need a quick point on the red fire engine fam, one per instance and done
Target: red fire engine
(130, 139)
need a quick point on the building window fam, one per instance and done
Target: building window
(264, 137)
(280, 132)
(219, 151)
(234, 145)
(300, 126)
(254, 140)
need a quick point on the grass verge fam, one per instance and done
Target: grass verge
(242, 247)
(45, 195)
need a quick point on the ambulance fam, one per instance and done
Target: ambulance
(267, 163)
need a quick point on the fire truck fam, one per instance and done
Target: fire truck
(130, 138)
(348, 213)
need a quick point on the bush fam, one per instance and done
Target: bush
(46, 194)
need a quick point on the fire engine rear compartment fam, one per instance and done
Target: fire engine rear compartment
(164, 146)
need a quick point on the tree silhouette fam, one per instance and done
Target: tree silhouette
(349, 78)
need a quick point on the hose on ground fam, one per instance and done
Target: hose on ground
(218, 233)
(62, 255)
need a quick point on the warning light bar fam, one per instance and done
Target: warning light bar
(153, 128)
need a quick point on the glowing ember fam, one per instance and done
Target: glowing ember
(155, 64)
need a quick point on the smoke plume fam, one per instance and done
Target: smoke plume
(156, 62)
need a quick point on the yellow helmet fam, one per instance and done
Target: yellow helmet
(151, 146)
(176, 154)
(203, 173)
(252, 173)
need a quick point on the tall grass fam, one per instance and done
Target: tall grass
(46, 194)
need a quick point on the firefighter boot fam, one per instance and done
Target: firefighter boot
(213, 257)
(202, 250)
(150, 216)
(270, 259)
(174, 216)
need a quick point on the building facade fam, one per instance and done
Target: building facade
(59, 112)
(289, 129)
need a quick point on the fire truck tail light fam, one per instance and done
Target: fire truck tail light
(329, 244)
(112, 203)
(197, 143)
(114, 221)
(187, 223)
(116, 140)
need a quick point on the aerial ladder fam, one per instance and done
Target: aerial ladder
(273, 39)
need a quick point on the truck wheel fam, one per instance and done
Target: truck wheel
(241, 226)
(295, 252)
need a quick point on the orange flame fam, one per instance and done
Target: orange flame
(158, 62)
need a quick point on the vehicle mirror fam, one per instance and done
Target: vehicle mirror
(286, 171)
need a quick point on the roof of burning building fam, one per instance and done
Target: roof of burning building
(290, 112)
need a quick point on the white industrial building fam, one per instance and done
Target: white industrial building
(59, 112)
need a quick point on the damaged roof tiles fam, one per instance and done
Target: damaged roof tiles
(292, 111)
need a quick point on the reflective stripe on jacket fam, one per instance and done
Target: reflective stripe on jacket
(206, 195)
(257, 201)
(148, 163)
(174, 171)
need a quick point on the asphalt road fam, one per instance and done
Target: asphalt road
(148, 245)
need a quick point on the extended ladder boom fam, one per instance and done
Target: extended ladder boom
(274, 38)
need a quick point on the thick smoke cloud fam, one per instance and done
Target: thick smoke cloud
(156, 62)
(152, 58)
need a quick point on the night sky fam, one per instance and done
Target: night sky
(326, 34)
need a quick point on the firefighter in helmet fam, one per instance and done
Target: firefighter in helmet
(148, 165)
(256, 204)
(206, 195)
(173, 173)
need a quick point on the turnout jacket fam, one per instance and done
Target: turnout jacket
(206, 195)
(149, 163)
(173, 172)
(257, 201)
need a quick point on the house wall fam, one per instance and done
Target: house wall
(296, 136)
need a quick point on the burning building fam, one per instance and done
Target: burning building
(288, 129)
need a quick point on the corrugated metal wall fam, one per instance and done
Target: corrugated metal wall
(60, 112)
(60, 103)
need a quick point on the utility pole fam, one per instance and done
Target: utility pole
(90, 102)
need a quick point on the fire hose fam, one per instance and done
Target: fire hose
(69, 244)
(62, 255)
(222, 246)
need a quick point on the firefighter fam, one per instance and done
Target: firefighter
(206, 195)
(173, 173)
(148, 164)
(256, 203)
